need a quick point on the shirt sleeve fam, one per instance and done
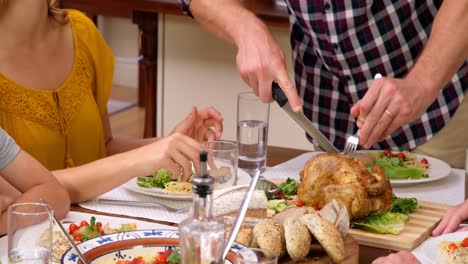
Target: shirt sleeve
(102, 58)
(184, 5)
(8, 149)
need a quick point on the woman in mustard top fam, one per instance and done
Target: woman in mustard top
(55, 80)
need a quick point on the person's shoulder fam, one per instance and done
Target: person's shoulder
(83, 26)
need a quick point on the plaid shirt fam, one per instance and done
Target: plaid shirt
(338, 46)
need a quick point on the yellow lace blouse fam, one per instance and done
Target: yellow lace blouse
(62, 128)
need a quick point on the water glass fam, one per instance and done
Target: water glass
(255, 256)
(252, 132)
(222, 162)
(466, 172)
(30, 233)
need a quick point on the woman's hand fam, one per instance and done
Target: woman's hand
(397, 258)
(175, 152)
(452, 219)
(203, 125)
(389, 104)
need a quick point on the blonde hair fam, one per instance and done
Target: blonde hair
(57, 14)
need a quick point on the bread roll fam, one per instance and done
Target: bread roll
(269, 234)
(327, 235)
(297, 238)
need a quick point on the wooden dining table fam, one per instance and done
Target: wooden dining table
(276, 155)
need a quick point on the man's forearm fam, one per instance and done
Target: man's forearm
(225, 18)
(446, 49)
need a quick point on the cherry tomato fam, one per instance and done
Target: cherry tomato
(464, 243)
(72, 228)
(84, 223)
(425, 162)
(452, 247)
(387, 153)
(99, 224)
(281, 195)
(316, 208)
(121, 262)
(401, 155)
(299, 203)
(79, 237)
(161, 258)
(138, 260)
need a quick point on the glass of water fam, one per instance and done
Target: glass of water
(252, 132)
(222, 162)
(30, 233)
(256, 256)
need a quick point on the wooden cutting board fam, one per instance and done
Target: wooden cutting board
(417, 229)
(318, 256)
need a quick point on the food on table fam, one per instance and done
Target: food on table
(297, 237)
(290, 213)
(162, 179)
(391, 221)
(179, 187)
(169, 256)
(455, 252)
(401, 165)
(334, 176)
(81, 232)
(269, 234)
(289, 187)
(326, 234)
(227, 202)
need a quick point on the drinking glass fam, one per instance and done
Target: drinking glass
(222, 162)
(466, 172)
(30, 233)
(252, 132)
(255, 256)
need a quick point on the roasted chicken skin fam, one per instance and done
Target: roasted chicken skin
(335, 176)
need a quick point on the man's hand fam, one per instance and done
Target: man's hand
(260, 61)
(451, 221)
(397, 258)
(389, 104)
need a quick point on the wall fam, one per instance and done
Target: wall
(199, 69)
(121, 35)
(195, 68)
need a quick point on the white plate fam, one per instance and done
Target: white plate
(429, 252)
(110, 248)
(438, 169)
(242, 179)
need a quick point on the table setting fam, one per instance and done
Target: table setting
(163, 221)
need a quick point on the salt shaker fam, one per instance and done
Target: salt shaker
(201, 235)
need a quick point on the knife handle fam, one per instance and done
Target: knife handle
(278, 94)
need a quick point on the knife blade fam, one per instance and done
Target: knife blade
(302, 120)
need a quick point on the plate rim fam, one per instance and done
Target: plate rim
(431, 244)
(152, 233)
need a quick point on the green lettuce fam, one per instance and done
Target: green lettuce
(394, 168)
(289, 187)
(158, 180)
(382, 222)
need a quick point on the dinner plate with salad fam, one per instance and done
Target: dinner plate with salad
(162, 185)
(405, 168)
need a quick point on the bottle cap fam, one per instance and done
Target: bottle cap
(203, 184)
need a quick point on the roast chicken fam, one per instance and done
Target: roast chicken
(335, 176)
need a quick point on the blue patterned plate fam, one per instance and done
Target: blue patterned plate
(129, 245)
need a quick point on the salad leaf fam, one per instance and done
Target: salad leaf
(161, 177)
(174, 258)
(158, 180)
(394, 168)
(382, 222)
(289, 187)
(403, 205)
(277, 205)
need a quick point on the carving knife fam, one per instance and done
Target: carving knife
(302, 120)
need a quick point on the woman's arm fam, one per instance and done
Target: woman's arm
(90, 180)
(34, 182)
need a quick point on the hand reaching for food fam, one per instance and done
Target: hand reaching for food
(452, 219)
(389, 104)
(399, 257)
(203, 125)
(176, 152)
